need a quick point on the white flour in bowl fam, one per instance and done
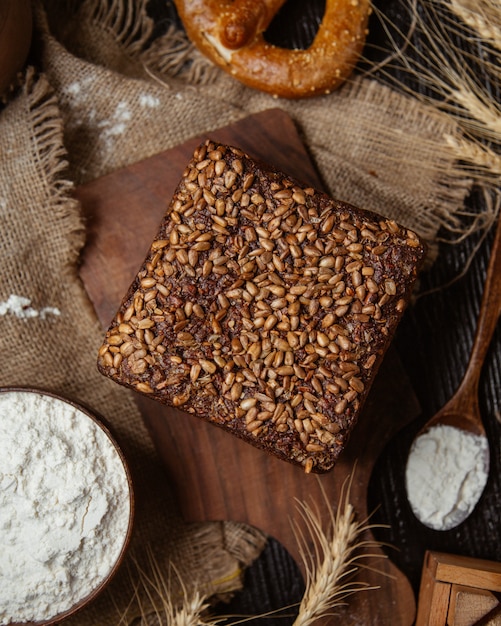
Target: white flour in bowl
(445, 475)
(64, 506)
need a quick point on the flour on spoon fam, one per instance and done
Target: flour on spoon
(445, 475)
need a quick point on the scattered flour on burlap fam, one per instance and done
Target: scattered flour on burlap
(64, 506)
(149, 101)
(21, 308)
(445, 475)
(80, 94)
(116, 125)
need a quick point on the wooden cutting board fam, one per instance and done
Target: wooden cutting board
(216, 476)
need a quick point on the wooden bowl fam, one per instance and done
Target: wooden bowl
(15, 39)
(77, 414)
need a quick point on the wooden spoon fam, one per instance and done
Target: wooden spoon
(462, 410)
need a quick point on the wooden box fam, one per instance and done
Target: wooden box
(459, 591)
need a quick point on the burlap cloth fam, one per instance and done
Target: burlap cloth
(100, 94)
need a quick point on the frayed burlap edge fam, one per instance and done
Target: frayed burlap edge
(50, 154)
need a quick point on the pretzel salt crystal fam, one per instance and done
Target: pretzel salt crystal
(230, 33)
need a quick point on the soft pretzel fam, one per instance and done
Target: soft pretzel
(230, 33)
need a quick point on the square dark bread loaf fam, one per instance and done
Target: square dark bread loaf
(263, 306)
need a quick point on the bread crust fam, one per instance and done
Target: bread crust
(264, 307)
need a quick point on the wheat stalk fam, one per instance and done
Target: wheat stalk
(336, 559)
(157, 602)
(441, 73)
(475, 153)
(445, 72)
(482, 16)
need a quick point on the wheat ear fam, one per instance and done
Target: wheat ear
(482, 16)
(444, 68)
(338, 551)
(161, 602)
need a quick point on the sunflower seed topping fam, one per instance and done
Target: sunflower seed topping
(263, 306)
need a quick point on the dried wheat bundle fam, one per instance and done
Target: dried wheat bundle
(452, 67)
